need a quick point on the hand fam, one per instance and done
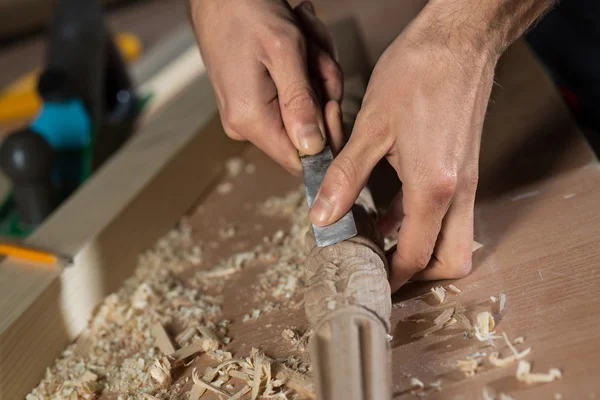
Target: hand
(423, 110)
(271, 67)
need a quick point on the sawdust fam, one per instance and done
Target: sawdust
(129, 358)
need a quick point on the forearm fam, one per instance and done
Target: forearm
(483, 25)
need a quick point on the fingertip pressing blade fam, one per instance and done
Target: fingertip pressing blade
(314, 168)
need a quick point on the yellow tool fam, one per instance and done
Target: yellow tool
(34, 255)
(20, 100)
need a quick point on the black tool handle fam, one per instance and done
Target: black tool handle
(27, 159)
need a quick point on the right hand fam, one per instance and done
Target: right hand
(270, 67)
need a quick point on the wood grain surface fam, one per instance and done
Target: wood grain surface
(539, 221)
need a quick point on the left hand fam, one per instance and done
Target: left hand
(424, 111)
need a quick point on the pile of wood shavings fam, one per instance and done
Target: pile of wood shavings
(118, 353)
(117, 349)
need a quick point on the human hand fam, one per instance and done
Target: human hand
(271, 68)
(423, 110)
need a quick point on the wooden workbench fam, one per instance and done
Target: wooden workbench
(536, 215)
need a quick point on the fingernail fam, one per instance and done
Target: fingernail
(321, 210)
(310, 138)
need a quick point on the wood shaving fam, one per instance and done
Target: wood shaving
(437, 385)
(476, 246)
(162, 340)
(414, 383)
(257, 375)
(484, 327)
(161, 372)
(502, 362)
(502, 304)
(493, 299)
(489, 394)
(444, 317)
(468, 367)
(519, 340)
(439, 293)
(203, 384)
(224, 188)
(201, 345)
(454, 289)
(241, 393)
(234, 166)
(147, 396)
(524, 374)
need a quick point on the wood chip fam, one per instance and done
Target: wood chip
(468, 367)
(444, 316)
(476, 246)
(484, 327)
(519, 340)
(160, 371)
(257, 375)
(493, 299)
(241, 393)
(524, 374)
(203, 384)
(487, 395)
(439, 293)
(201, 345)
(502, 304)
(428, 331)
(147, 396)
(239, 374)
(162, 340)
(414, 383)
(454, 289)
(88, 376)
(502, 362)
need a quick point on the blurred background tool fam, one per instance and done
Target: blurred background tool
(31, 254)
(88, 110)
(21, 101)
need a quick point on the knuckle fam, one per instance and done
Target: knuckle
(299, 97)
(374, 125)
(281, 40)
(460, 266)
(344, 172)
(421, 260)
(236, 115)
(443, 184)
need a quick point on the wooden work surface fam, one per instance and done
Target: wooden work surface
(538, 219)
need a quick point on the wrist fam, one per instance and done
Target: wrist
(482, 28)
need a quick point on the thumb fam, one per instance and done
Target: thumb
(299, 105)
(345, 178)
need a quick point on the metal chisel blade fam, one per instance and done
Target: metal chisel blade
(314, 168)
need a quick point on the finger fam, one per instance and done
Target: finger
(328, 72)
(299, 107)
(348, 173)
(269, 135)
(453, 252)
(321, 48)
(335, 126)
(315, 28)
(392, 219)
(424, 210)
